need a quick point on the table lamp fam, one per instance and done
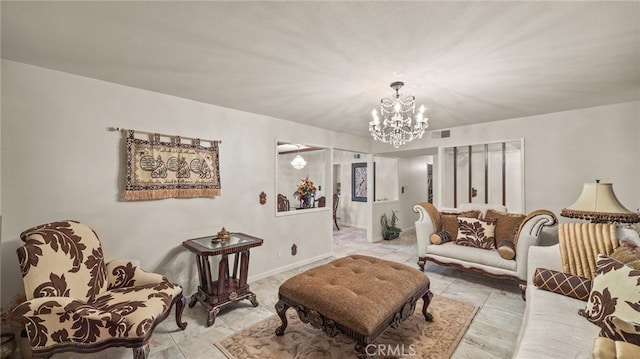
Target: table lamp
(599, 204)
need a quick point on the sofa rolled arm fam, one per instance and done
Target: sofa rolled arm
(127, 273)
(528, 235)
(534, 222)
(427, 224)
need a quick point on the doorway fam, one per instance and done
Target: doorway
(351, 214)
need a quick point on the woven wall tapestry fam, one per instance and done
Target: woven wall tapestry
(157, 169)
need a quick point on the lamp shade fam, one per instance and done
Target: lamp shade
(599, 204)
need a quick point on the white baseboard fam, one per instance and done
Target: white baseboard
(411, 229)
(352, 225)
(287, 267)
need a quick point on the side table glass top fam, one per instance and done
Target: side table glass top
(235, 240)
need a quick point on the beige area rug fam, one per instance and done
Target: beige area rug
(414, 338)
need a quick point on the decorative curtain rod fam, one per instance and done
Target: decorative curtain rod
(164, 135)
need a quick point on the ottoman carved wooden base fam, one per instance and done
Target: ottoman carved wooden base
(358, 296)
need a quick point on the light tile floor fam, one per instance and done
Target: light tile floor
(492, 333)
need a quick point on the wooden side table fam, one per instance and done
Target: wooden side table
(215, 294)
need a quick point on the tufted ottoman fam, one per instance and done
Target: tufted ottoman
(359, 296)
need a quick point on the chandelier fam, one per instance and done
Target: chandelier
(397, 114)
(298, 162)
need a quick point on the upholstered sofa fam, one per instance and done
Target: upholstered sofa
(488, 262)
(552, 326)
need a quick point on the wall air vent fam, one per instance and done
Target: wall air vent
(441, 134)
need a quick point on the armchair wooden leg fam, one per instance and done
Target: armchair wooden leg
(141, 352)
(179, 308)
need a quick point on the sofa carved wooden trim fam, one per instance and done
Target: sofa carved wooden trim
(78, 303)
(487, 262)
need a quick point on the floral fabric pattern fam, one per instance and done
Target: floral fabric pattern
(62, 249)
(615, 291)
(619, 329)
(477, 233)
(73, 299)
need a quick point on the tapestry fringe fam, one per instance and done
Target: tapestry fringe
(133, 195)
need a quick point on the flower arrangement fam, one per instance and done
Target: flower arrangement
(305, 188)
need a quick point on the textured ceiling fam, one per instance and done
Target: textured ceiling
(327, 64)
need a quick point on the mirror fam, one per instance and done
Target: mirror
(301, 178)
(484, 173)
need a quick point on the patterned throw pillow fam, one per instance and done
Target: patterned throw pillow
(628, 253)
(507, 224)
(474, 232)
(562, 283)
(617, 328)
(450, 221)
(440, 237)
(614, 291)
(605, 348)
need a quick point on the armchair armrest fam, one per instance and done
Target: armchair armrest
(427, 224)
(127, 273)
(528, 235)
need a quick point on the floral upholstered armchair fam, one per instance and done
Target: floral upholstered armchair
(76, 302)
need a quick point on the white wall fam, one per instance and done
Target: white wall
(351, 213)
(60, 161)
(386, 181)
(563, 150)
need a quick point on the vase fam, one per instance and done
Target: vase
(306, 201)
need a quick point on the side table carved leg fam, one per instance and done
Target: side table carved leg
(427, 300)
(253, 300)
(193, 301)
(281, 309)
(212, 316)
